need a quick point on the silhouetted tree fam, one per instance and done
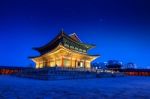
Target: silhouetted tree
(98, 65)
(130, 65)
(113, 64)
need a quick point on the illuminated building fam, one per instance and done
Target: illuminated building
(64, 51)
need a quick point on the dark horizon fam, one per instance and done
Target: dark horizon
(120, 29)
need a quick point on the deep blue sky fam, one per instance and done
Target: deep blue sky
(119, 28)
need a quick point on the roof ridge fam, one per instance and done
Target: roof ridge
(74, 34)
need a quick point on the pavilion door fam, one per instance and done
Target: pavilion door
(80, 64)
(66, 63)
(45, 64)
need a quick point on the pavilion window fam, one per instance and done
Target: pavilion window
(84, 51)
(66, 45)
(80, 50)
(72, 47)
(76, 48)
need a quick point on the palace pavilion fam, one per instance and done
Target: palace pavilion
(64, 51)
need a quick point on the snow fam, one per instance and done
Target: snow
(102, 88)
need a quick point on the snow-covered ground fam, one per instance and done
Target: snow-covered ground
(102, 88)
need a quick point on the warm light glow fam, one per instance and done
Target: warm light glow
(63, 56)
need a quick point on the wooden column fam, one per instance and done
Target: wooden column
(75, 63)
(71, 62)
(62, 61)
(84, 64)
(42, 64)
(38, 65)
(49, 64)
(55, 61)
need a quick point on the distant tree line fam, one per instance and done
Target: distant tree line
(113, 64)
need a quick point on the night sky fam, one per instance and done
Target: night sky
(119, 28)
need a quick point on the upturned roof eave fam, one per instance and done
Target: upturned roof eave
(32, 57)
(49, 43)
